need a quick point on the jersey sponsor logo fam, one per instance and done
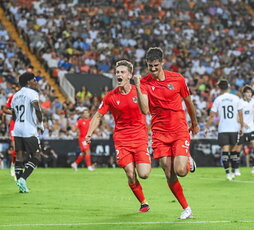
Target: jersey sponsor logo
(186, 146)
(170, 86)
(153, 88)
(135, 99)
(118, 102)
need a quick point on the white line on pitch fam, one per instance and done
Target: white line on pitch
(131, 223)
(217, 179)
(233, 181)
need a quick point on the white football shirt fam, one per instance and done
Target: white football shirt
(248, 115)
(26, 119)
(227, 106)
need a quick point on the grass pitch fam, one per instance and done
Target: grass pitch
(64, 199)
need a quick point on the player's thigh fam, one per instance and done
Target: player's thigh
(130, 170)
(224, 140)
(124, 156)
(84, 146)
(180, 163)
(181, 147)
(167, 164)
(141, 154)
(143, 170)
(32, 145)
(161, 149)
(19, 147)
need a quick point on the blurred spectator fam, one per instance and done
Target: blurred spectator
(203, 40)
(49, 156)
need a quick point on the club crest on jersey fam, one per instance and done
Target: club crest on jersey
(135, 99)
(170, 86)
(153, 88)
(118, 102)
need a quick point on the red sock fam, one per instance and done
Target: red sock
(138, 192)
(79, 159)
(13, 154)
(177, 190)
(88, 160)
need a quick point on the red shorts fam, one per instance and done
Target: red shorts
(83, 145)
(137, 154)
(171, 144)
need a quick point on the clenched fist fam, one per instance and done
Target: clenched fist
(137, 78)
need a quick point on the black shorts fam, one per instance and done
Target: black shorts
(228, 139)
(246, 138)
(29, 145)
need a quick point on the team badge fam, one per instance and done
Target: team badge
(118, 102)
(153, 88)
(135, 99)
(170, 86)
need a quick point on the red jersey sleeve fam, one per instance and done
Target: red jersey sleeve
(104, 106)
(184, 90)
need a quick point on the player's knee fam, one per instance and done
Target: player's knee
(181, 172)
(131, 175)
(143, 175)
(19, 156)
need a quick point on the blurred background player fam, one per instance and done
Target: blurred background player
(229, 109)
(247, 103)
(130, 134)
(7, 110)
(161, 93)
(83, 125)
(28, 117)
(49, 156)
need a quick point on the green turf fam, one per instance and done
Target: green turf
(64, 199)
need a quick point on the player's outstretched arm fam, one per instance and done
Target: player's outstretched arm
(142, 98)
(192, 113)
(93, 125)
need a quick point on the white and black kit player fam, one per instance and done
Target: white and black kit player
(229, 110)
(28, 118)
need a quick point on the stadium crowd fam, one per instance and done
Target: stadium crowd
(203, 40)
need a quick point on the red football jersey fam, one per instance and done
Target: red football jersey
(130, 124)
(83, 125)
(165, 101)
(8, 104)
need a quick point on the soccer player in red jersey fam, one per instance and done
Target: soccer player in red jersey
(83, 125)
(7, 110)
(161, 93)
(130, 134)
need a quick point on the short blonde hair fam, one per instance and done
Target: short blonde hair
(125, 63)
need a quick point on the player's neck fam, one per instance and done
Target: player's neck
(125, 89)
(161, 76)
